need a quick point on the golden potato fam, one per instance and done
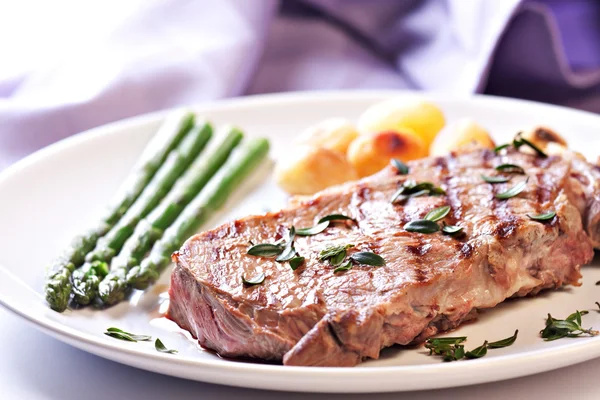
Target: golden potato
(309, 169)
(423, 117)
(542, 137)
(371, 153)
(334, 133)
(464, 132)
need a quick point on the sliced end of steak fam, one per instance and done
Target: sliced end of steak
(218, 324)
(430, 283)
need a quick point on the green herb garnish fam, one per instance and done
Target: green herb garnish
(159, 346)
(412, 189)
(368, 258)
(453, 349)
(127, 336)
(400, 166)
(257, 280)
(287, 254)
(449, 348)
(265, 250)
(344, 267)
(282, 249)
(336, 217)
(437, 214)
(543, 217)
(519, 141)
(451, 229)
(313, 230)
(510, 168)
(495, 179)
(561, 328)
(337, 259)
(512, 192)
(429, 223)
(296, 262)
(446, 340)
(322, 224)
(477, 352)
(288, 251)
(422, 226)
(336, 255)
(504, 342)
(501, 147)
(330, 252)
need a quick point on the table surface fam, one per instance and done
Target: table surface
(35, 366)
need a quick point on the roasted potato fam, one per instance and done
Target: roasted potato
(464, 132)
(542, 137)
(309, 169)
(549, 142)
(371, 153)
(334, 134)
(422, 117)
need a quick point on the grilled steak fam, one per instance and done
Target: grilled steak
(430, 283)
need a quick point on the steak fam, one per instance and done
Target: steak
(430, 283)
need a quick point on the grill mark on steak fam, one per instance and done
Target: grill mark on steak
(282, 231)
(373, 246)
(506, 227)
(488, 156)
(419, 250)
(362, 193)
(542, 193)
(452, 192)
(420, 274)
(465, 249)
(313, 316)
(357, 198)
(442, 164)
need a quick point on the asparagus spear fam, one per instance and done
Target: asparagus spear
(114, 288)
(58, 278)
(84, 286)
(220, 187)
(169, 136)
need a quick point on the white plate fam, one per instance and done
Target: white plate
(53, 194)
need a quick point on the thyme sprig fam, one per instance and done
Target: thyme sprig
(453, 348)
(569, 327)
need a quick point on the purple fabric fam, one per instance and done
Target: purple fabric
(576, 22)
(62, 73)
(542, 56)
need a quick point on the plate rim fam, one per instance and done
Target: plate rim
(561, 356)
